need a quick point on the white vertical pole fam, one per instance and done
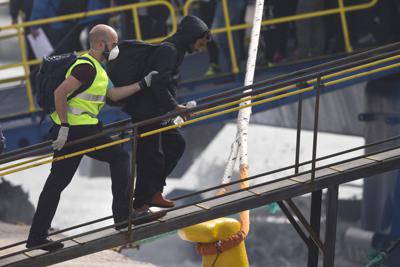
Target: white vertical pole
(239, 147)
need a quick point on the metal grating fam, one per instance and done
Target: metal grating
(13, 259)
(385, 155)
(225, 199)
(270, 187)
(352, 164)
(94, 236)
(180, 212)
(307, 177)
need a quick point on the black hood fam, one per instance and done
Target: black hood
(189, 30)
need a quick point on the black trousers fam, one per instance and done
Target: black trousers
(157, 156)
(62, 172)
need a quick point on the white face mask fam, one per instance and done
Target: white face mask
(113, 53)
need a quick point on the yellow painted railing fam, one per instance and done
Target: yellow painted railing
(342, 10)
(220, 110)
(21, 26)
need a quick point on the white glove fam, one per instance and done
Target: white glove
(147, 78)
(61, 138)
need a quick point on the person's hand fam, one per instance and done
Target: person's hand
(181, 108)
(62, 137)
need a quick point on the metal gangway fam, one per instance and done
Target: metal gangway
(316, 178)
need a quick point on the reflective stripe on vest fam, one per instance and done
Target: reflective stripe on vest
(78, 111)
(93, 98)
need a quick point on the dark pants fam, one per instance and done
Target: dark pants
(276, 36)
(207, 13)
(157, 156)
(62, 172)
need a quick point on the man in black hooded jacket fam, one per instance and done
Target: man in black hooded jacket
(158, 154)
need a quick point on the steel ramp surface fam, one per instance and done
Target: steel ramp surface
(255, 196)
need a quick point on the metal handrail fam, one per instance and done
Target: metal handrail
(263, 93)
(318, 74)
(273, 84)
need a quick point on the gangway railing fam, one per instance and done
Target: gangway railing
(284, 188)
(371, 56)
(309, 81)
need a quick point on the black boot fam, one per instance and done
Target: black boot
(51, 245)
(141, 216)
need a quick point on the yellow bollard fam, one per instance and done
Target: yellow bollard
(213, 231)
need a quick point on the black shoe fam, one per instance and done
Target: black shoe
(52, 245)
(142, 216)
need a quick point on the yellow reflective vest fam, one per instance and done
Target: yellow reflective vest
(84, 108)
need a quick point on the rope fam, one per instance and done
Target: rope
(239, 146)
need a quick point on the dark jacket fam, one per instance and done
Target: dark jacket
(160, 98)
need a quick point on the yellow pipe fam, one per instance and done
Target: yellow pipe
(22, 46)
(291, 18)
(38, 158)
(232, 51)
(249, 98)
(293, 86)
(89, 14)
(92, 13)
(218, 30)
(67, 156)
(25, 162)
(345, 28)
(265, 101)
(136, 24)
(186, 7)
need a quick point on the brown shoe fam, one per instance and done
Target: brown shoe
(159, 201)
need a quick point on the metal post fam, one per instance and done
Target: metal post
(136, 22)
(331, 222)
(25, 65)
(316, 197)
(315, 221)
(315, 134)
(314, 235)
(235, 68)
(133, 175)
(299, 115)
(294, 223)
(345, 27)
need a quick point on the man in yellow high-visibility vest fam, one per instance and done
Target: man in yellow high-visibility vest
(76, 118)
